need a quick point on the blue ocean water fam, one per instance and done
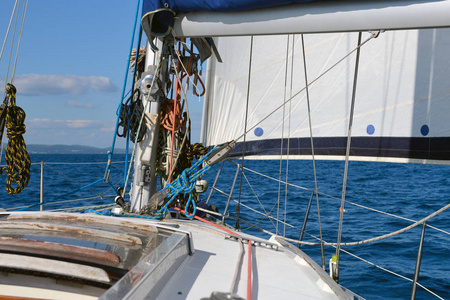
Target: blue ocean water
(406, 190)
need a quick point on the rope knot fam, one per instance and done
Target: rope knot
(11, 90)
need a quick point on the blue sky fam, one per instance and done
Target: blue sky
(71, 68)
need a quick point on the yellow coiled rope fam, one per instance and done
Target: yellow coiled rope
(17, 159)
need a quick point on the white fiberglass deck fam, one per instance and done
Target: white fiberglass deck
(130, 258)
(276, 273)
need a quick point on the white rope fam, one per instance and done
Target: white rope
(24, 13)
(378, 237)
(7, 31)
(17, 3)
(12, 46)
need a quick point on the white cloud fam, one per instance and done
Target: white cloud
(83, 132)
(81, 123)
(79, 104)
(65, 124)
(35, 84)
(100, 83)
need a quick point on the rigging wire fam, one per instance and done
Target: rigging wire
(24, 12)
(281, 145)
(379, 267)
(392, 272)
(127, 122)
(6, 81)
(312, 152)
(347, 154)
(265, 215)
(351, 203)
(289, 126)
(238, 207)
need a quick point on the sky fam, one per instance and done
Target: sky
(70, 69)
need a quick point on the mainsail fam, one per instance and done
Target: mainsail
(402, 93)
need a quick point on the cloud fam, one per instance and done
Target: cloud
(81, 123)
(66, 124)
(79, 104)
(35, 84)
(83, 132)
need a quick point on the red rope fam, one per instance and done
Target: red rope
(175, 106)
(210, 223)
(249, 271)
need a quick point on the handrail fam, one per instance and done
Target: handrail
(41, 203)
(269, 216)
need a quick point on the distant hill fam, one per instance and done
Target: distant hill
(68, 149)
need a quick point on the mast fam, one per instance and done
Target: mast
(145, 179)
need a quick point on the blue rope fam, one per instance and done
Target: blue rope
(108, 166)
(185, 184)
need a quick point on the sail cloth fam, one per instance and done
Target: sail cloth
(402, 96)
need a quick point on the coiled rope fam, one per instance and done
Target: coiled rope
(17, 159)
(184, 184)
(171, 116)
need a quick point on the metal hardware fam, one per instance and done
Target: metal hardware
(201, 186)
(221, 153)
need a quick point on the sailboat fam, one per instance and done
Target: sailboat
(313, 80)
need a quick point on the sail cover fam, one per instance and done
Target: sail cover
(207, 18)
(402, 102)
(182, 6)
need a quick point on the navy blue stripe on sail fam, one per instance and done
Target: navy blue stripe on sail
(436, 148)
(182, 6)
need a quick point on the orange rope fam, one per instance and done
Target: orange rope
(170, 120)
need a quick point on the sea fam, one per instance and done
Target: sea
(380, 198)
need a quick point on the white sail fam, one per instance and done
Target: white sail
(403, 87)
